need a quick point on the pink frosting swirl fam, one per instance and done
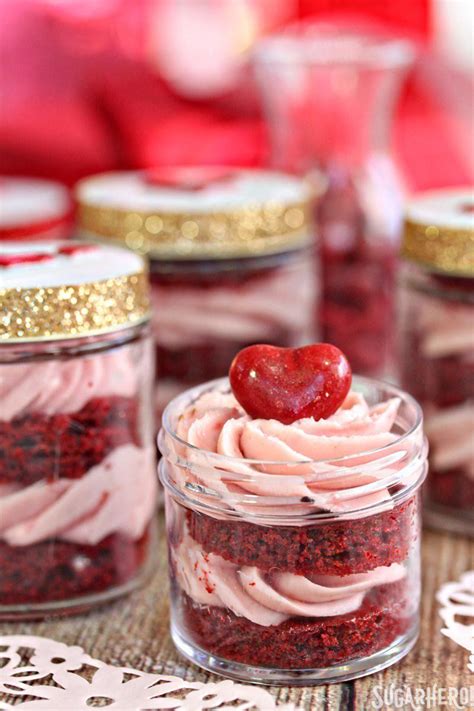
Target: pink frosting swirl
(187, 315)
(270, 599)
(56, 386)
(116, 496)
(445, 328)
(295, 471)
(450, 431)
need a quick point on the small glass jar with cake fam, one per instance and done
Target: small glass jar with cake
(77, 465)
(293, 516)
(230, 262)
(437, 340)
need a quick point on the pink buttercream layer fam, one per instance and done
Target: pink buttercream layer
(446, 328)
(451, 431)
(243, 312)
(56, 386)
(116, 496)
(270, 599)
(215, 423)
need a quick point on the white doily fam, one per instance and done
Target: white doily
(457, 600)
(29, 664)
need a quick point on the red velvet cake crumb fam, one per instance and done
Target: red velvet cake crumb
(451, 488)
(301, 643)
(37, 446)
(351, 546)
(200, 362)
(57, 570)
(357, 306)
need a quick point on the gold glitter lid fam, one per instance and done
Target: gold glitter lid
(197, 213)
(59, 290)
(439, 231)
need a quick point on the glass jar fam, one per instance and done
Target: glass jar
(77, 463)
(438, 347)
(230, 261)
(32, 209)
(328, 94)
(294, 570)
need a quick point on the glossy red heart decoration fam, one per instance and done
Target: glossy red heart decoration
(287, 384)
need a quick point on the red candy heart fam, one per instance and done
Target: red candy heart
(287, 384)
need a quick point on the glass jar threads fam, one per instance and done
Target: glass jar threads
(229, 261)
(32, 209)
(438, 346)
(289, 568)
(77, 472)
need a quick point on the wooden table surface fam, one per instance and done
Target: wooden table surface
(134, 632)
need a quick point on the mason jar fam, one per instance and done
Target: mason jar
(230, 261)
(33, 208)
(286, 568)
(437, 342)
(77, 470)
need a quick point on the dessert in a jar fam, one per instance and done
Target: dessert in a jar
(229, 261)
(329, 88)
(77, 470)
(34, 209)
(437, 342)
(292, 505)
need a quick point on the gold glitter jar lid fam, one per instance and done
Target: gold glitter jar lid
(439, 231)
(197, 213)
(58, 290)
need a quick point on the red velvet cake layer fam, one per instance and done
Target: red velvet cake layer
(351, 546)
(37, 446)
(301, 643)
(56, 570)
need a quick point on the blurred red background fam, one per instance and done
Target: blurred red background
(90, 85)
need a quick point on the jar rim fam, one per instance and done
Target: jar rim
(357, 380)
(212, 505)
(333, 44)
(381, 476)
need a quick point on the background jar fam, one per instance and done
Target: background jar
(229, 261)
(278, 587)
(77, 479)
(437, 344)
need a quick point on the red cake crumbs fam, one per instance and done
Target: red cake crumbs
(440, 382)
(357, 306)
(56, 570)
(453, 488)
(37, 446)
(358, 278)
(198, 363)
(301, 643)
(333, 548)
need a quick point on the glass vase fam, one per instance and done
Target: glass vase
(328, 94)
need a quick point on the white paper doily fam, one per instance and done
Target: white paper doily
(51, 676)
(457, 600)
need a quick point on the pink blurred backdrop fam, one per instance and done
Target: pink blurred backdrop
(90, 85)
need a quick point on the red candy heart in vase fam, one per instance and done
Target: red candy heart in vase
(287, 384)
